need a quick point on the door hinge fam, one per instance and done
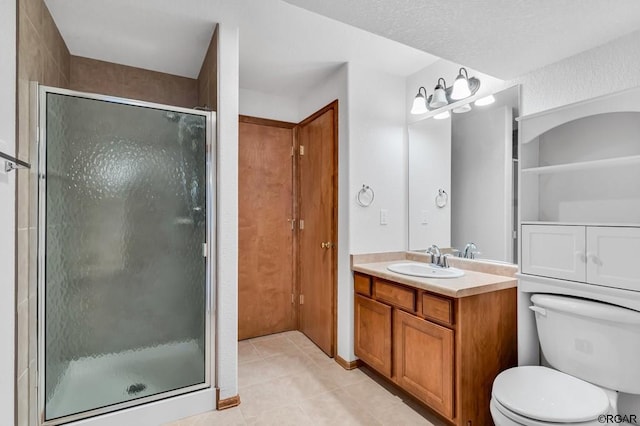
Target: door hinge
(301, 223)
(302, 299)
(301, 150)
(204, 249)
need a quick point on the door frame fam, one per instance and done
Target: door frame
(332, 106)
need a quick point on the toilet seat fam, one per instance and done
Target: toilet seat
(543, 395)
(504, 417)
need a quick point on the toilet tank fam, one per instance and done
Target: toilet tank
(595, 341)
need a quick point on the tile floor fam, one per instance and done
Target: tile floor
(284, 379)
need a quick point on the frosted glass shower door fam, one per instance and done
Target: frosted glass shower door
(123, 274)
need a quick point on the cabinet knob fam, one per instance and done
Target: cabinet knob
(594, 258)
(326, 245)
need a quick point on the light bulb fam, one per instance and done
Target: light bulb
(487, 100)
(442, 115)
(462, 109)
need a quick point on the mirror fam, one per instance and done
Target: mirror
(463, 180)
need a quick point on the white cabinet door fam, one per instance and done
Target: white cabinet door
(612, 257)
(556, 251)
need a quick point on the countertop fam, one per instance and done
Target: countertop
(472, 283)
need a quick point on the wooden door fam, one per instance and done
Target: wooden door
(611, 256)
(265, 234)
(373, 333)
(423, 357)
(318, 178)
(555, 251)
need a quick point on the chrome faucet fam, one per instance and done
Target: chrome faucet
(470, 251)
(437, 257)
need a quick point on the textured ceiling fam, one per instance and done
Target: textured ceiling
(504, 38)
(284, 49)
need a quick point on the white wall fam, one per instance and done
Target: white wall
(377, 157)
(481, 182)
(264, 105)
(605, 69)
(227, 211)
(7, 210)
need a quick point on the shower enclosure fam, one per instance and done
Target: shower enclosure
(125, 237)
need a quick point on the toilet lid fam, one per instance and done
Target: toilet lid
(545, 394)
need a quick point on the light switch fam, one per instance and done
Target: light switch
(384, 216)
(424, 217)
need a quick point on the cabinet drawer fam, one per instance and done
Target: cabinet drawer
(402, 297)
(437, 308)
(362, 284)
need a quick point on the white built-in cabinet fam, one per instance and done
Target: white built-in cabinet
(580, 192)
(601, 255)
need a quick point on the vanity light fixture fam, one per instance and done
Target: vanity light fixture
(439, 97)
(420, 102)
(442, 115)
(464, 86)
(462, 109)
(487, 100)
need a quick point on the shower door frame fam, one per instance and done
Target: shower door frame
(208, 251)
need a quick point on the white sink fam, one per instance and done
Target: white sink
(426, 270)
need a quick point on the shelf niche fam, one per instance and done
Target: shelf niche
(586, 169)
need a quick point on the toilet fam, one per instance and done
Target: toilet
(592, 350)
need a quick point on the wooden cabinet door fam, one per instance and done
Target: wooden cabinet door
(555, 251)
(611, 253)
(424, 359)
(373, 333)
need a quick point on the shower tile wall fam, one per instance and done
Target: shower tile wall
(44, 57)
(207, 79)
(90, 75)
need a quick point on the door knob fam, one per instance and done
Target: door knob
(326, 245)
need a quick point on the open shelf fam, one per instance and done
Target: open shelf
(584, 165)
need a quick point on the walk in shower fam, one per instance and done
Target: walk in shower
(125, 213)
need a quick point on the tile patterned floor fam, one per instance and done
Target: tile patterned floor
(284, 379)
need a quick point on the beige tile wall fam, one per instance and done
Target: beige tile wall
(44, 57)
(208, 77)
(107, 78)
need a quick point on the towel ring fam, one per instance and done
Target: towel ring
(365, 191)
(442, 198)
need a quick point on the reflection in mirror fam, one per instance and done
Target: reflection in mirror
(472, 157)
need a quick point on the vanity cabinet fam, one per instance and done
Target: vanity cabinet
(601, 255)
(444, 351)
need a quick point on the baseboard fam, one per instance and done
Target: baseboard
(223, 404)
(347, 365)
